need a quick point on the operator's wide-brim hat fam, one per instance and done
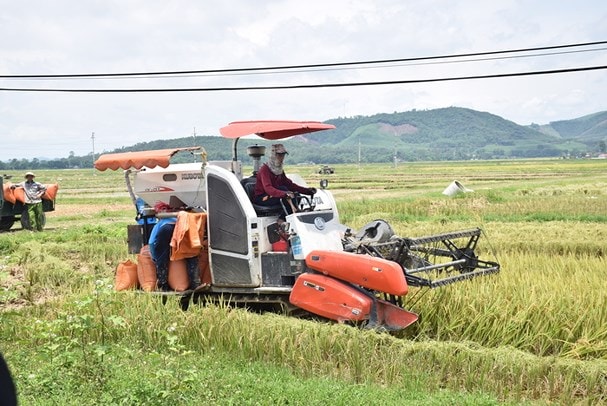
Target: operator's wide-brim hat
(30, 174)
(279, 149)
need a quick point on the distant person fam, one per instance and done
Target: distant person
(273, 185)
(33, 200)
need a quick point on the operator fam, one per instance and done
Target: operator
(273, 184)
(33, 200)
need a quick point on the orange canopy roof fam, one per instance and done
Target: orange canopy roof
(272, 129)
(138, 159)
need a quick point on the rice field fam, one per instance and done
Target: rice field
(534, 332)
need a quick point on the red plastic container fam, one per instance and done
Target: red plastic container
(280, 246)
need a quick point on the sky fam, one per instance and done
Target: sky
(41, 37)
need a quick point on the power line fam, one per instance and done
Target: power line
(310, 86)
(330, 69)
(308, 66)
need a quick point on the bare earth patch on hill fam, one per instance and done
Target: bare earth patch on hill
(398, 129)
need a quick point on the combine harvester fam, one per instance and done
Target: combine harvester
(315, 265)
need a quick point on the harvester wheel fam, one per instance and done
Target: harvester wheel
(6, 223)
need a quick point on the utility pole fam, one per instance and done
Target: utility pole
(395, 150)
(395, 157)
(359, 152)
(93, 140)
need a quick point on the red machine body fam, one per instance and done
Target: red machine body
(364, 270)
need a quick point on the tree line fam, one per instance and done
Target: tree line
(70, 162)
(323, 154)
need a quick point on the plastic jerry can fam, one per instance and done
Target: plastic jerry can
(296, 245)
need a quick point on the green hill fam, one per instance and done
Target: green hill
(589, 130)
(442, 134)
(453, 125)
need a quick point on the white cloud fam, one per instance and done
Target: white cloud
(64, 36)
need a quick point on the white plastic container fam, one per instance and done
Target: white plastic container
(456, 187)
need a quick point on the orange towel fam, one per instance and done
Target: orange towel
(188, 235)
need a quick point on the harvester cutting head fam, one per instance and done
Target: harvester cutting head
(368, 279)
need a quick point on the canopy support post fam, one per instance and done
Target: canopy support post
(129, 187)
(234, 153)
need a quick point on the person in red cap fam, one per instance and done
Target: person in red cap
(273, 184)
(33, 200)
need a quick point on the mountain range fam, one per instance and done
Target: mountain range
(451, 133)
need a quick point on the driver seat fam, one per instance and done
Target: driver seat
(249, 186)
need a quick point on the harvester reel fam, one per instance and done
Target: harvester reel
(430, 261)
(471, 260)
